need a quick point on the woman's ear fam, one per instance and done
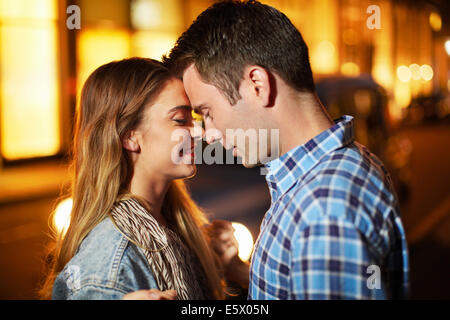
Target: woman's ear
(130, 143)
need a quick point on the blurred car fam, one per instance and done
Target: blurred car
(365, 100)
(432, 107)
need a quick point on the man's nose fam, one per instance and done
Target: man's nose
(196, 130)
(212, 134)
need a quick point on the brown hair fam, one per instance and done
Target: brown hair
(112, 103)
(231, 35)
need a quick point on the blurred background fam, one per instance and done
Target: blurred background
(387, 65)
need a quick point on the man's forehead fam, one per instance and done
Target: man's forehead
(191, 73)
(193, 85)
(200, 93)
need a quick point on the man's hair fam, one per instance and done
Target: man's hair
(231, 35)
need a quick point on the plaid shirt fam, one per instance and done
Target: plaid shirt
(333, 230)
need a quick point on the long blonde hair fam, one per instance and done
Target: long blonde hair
(112, 103)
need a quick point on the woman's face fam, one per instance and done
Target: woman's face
(164, 136)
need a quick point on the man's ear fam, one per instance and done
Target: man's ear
(130, 143)
(258, 84)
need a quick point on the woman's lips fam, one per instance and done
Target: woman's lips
(190, 154)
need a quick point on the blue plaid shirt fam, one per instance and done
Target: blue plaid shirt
(333, 230)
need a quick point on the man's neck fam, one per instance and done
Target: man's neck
(300, 118)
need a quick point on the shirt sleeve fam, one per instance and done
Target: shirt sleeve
(331, 261)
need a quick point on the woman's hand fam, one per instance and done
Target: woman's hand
(152, 294)
(223, 242)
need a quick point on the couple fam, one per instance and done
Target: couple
(136, 233)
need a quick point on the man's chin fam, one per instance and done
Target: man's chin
(249, 164)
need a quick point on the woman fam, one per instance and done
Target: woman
(133, 225)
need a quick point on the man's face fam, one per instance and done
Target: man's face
(219, 116)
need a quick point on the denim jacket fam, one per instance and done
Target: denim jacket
(106, 266)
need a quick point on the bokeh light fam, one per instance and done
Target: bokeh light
(323, 57)
(350, 69)
(404, 73)
(426, 72)
(447, 47)
(61, 218)
(415, 71)
(244, 239)
(435, 21)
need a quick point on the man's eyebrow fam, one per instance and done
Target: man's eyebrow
(182, 107)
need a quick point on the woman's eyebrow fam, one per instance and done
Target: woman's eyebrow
(182, 107)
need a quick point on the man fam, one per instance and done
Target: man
(333, 230)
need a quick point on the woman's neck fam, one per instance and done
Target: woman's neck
(154, 191)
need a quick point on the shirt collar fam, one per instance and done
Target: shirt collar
(284, 171)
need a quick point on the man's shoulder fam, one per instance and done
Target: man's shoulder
(350, 170)
(353, 159)
(349, 184)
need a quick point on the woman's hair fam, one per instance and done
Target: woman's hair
(113, 100)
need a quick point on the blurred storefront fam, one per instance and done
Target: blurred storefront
(401, 44)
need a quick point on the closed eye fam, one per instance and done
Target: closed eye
(180, 121)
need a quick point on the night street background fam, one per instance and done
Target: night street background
(393, 76)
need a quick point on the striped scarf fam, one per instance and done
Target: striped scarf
(174, 265)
